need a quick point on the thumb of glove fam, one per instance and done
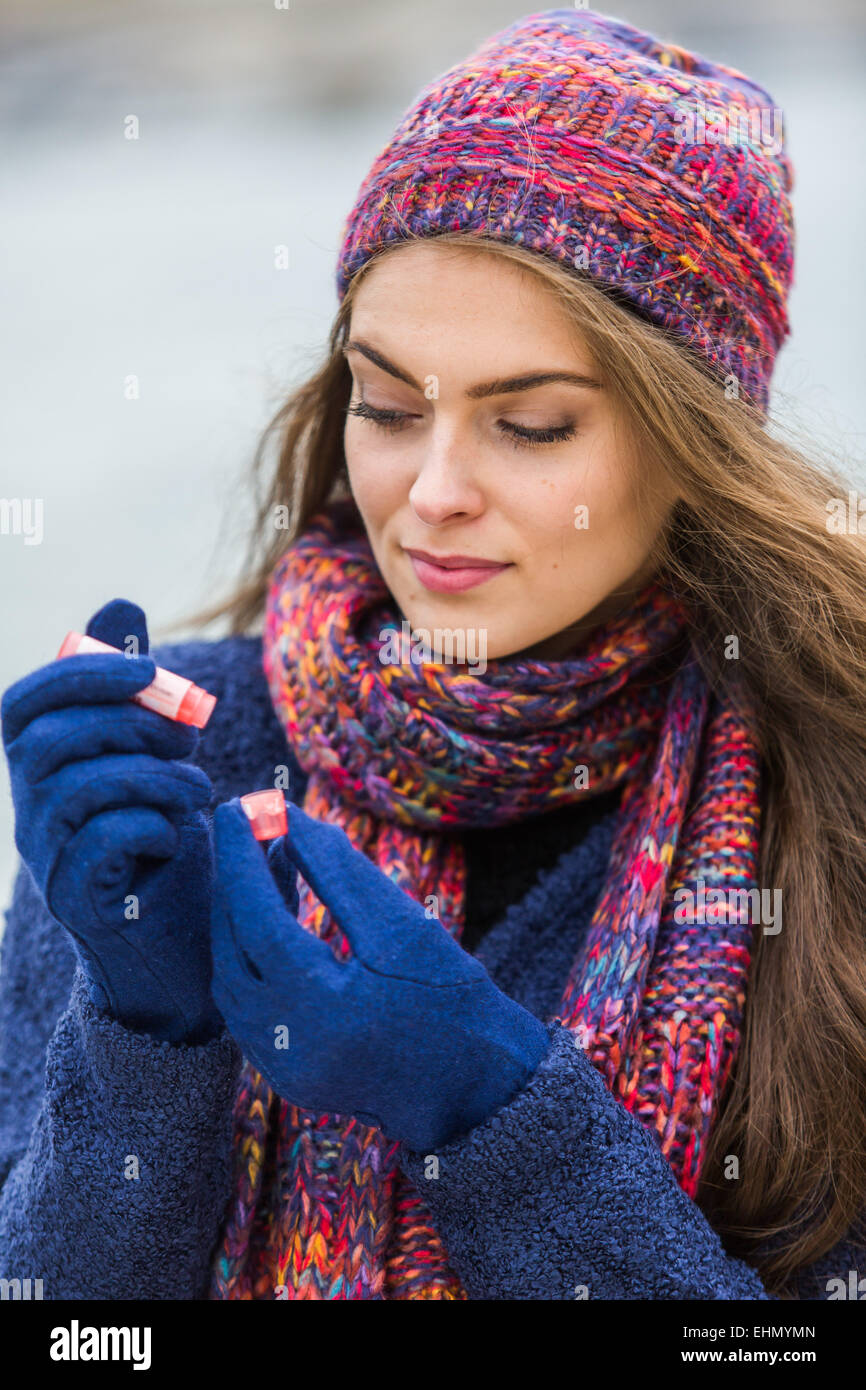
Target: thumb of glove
(121, 624)
(285, 873)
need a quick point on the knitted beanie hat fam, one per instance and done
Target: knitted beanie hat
(657, 173)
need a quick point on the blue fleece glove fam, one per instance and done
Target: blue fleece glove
(410, 1034)
(110, 826)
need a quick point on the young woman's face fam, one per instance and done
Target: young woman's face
(471, 461)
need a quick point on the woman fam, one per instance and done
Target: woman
(568, 999)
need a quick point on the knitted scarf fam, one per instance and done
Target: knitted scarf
(395, 751)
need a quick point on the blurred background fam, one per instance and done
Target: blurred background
(154, 258)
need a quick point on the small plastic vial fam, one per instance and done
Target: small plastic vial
(174, 696)
(267, 813)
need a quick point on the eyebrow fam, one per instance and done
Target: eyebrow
(501, 386)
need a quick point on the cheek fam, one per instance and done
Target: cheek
(375, 478)
(585, 504)
(584, 522)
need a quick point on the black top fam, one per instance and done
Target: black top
(504, 861)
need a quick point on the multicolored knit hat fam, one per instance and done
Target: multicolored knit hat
(657, 173)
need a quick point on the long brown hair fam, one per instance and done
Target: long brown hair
(748, 550)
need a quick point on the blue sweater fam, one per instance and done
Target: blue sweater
(115, 1149)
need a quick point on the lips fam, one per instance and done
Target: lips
(455, 562)
(453, 573)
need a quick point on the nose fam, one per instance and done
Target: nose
(447, 485)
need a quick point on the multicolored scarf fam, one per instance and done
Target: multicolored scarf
(395, 752)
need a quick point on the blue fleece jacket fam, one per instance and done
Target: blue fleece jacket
(115, 1149)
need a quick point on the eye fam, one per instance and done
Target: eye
(521, 436)
(390, 420)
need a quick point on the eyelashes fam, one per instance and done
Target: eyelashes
(392, 421)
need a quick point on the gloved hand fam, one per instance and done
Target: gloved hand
(111, 827)
(410, 1034)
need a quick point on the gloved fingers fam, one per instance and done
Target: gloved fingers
(227, 1005)
(89, 678)
(95, 867)
(386, 928)
(232, 985)
(116, 622)
(226, 978)
(99, 985)
(81, 732)
(256, 934)
(80, 790)
(134, 978)
(192, 865)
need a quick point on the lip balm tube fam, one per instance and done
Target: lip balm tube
(267, 813)
(169, 694)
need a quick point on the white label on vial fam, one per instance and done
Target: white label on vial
(164, 694)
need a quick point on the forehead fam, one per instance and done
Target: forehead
(465, 303)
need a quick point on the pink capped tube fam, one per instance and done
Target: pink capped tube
(267, 813)
(174, 696)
